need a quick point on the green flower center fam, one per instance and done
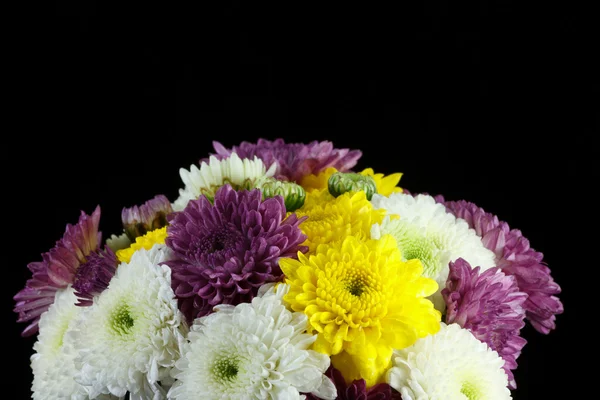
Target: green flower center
(121, 320)
(413, 244)
(225, 369)
(470, 391)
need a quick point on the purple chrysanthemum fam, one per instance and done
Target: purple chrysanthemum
(57, 269)
(294, 160)
(224, 252)
(94, 275)
(515, 257)
(151, 215)
(490, 305)
(357, 390)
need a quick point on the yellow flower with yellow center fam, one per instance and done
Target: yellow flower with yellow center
(362, 301)
(146, 241)
(331, 218)
(319, 181)
(386, 185)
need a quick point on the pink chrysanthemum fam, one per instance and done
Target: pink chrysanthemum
(515, 257)
(294, 160)
(223, 253)
(57, 269)
(137, 221)
(490, 305)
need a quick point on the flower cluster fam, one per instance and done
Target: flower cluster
(283, 272)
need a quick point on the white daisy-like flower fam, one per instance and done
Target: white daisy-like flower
(240, 173)
(425, 230)
(53, 361)
(450, 365)
(253, 351)
(130, 338)
(117, 243)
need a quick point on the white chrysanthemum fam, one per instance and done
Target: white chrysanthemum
(425, 230)
(118, 242)
(450, 365)
(53, 361)
(252, 351)
(216, 173)
(130, 337)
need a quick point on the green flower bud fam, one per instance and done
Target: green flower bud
(293, 194)
(342, 182)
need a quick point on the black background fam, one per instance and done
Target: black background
(493, 102)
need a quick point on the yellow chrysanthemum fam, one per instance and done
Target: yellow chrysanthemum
(363, 301)
(386, 185)
(331, 218)
(151, 238)
(319, 181)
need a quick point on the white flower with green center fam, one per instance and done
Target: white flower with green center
(427, 232)
(253, 351)
(239, 173)
(53, 361)
(450, 365)
(130, 338)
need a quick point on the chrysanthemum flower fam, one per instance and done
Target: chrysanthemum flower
(94, 276)
(490, 305)
(386, 185)
(357, 390)
(152, 215)
(363, 301)
(514, 256)
(130, 338)
(223, 252)
(427, 232)
(57, 270)
(253, 351)
(52, 363)
(450, 365)
(146, 242)
(332, 219)
(294, 160)
(240, 173)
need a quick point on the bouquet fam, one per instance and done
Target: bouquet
(281, 272)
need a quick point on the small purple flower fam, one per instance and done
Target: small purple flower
(224, 252)
(357, 390)
(57, 269)
(294, 160)
(94, 275)
(151, 215)
(515, 257)
(489, 305)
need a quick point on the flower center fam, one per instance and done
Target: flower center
(225, 369)
(219, 240)
(121, 320)
(470, 391)
(355, 286)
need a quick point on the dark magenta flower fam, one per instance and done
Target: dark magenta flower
(357, 390)
(94, 275)
(57, 269)
(294, 160)
(223, 252)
